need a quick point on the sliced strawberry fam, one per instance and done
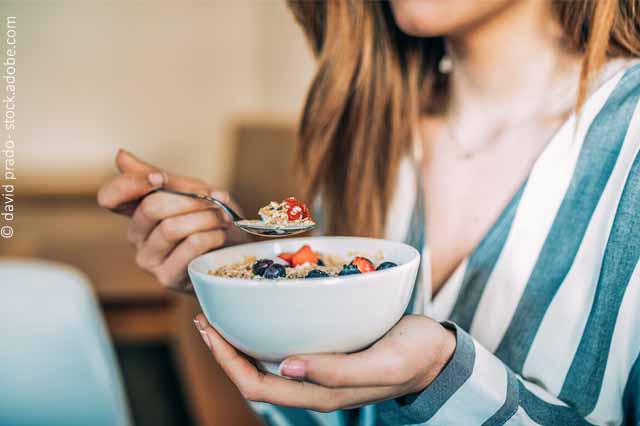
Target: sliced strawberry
(286, 256)
(363, 264)
(305, 211)
(296, 209)
(304, 255)
(294, 212)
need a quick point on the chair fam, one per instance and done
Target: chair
(57, 364)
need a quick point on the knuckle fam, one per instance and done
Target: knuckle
(108, 195)
(150, 208)
(141, 260)
(201, 241)
(195, 241)
(132, 236)
(220, 239)
(249, 393)
(165, 278)
(104, 200)
(170, 229)
(332, 379)
(212, 219)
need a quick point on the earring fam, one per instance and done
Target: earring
(445, 66)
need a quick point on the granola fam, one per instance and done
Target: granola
(288, 212)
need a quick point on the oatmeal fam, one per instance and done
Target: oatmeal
(304, 263)
(288, 212)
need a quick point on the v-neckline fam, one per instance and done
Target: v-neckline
(505, 211)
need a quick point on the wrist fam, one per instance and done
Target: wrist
(443, 352)
(447, 347)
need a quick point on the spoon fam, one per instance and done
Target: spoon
(255, 227)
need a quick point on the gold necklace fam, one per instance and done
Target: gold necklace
(466, 153)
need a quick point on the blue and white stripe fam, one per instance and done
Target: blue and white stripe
(546, 309)
(552, 293)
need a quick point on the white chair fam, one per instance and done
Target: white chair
(57, 364)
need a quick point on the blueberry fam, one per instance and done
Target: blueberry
(386, 265)
(316, 273)
(349, 269)
(275, 270)
(260, 266)
(320, 262)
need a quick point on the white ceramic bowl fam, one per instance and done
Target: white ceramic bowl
(270, 320)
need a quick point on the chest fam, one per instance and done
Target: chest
(464, 195)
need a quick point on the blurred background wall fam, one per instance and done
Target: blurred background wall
(163, 79)
(192, 86)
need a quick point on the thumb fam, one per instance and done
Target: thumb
(372, 367)
(127, 162)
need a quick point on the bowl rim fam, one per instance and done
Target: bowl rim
(300, 282)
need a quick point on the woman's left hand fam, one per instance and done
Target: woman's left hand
(404, 361)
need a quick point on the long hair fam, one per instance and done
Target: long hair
(373, 83)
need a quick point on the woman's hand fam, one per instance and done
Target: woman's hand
(404, 361)
(167, 230)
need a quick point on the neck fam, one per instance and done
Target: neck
(514, 54)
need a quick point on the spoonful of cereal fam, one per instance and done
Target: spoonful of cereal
(276, 219)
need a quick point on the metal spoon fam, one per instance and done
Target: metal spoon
(255, 227)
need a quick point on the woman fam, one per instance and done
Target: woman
(507, 131)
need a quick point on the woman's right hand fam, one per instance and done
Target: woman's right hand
(168, 231)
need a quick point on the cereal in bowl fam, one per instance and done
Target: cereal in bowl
(303, 263)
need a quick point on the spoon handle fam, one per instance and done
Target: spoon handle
(235, 216)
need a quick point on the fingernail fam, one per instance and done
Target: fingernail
(198, 324)
(203, 333)
(156, 178)
(295, 368)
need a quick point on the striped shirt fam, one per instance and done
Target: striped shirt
(546, 308)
